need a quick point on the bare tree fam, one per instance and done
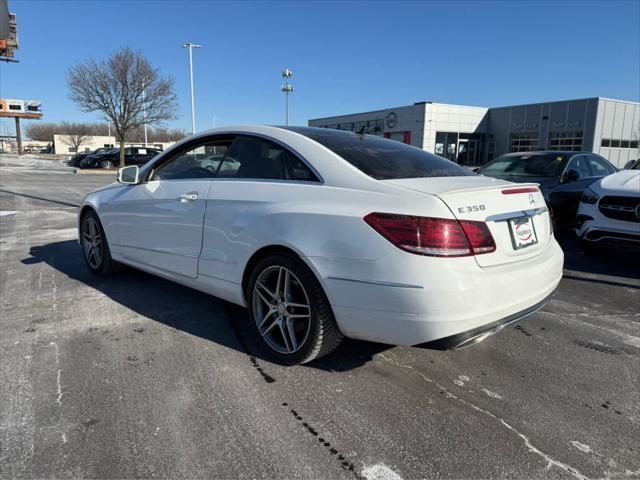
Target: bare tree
(42, 132)
(115, 88)
(76, 134)
(156, 134)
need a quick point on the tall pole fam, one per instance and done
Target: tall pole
(287, 88)
(191, 46)
(144, 113)
(18, 136)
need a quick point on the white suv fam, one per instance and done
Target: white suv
(609, 212)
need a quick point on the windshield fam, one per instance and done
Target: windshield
(636, 166)
(526, 165)
(381, 158)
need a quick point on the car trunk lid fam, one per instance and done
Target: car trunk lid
(504, 206)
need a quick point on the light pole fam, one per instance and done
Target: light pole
(213, 122)
(191, 46)
(144, 112)
(287, 88)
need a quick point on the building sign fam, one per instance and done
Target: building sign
(10, 107)
(569, 123)
(524, 126)
(392, 120)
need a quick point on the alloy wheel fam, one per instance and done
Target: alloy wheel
(92, 242)
(281, 308)
(107, 164)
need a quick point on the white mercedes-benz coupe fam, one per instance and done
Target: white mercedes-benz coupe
(324, 233)
(609, 213)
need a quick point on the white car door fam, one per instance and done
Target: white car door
(159, 222)
(255, 174)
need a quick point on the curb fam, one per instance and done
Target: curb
(95, 171)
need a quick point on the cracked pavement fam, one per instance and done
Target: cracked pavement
(133, 376)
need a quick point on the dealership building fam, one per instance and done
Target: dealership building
(475, 135)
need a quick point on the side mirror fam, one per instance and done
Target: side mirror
(571, 176)
(128, 175)
(475, 170)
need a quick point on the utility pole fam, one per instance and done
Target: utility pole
(144, 113)
(18, 136)
(287, 88)
(191, 46)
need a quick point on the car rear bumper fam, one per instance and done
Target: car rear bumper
(404, 299)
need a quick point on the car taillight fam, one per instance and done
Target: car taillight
(439, 237)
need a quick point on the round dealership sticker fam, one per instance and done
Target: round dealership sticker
(523, 230)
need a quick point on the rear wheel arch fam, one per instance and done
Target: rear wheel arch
(255, 259)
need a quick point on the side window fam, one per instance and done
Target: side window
(257, 158)
(599, 168)
(580, 164)
(129, 151)
(198, 161)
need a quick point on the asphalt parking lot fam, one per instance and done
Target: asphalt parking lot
(133, 376)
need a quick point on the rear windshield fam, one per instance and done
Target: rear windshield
(526, 165)
(381, 158)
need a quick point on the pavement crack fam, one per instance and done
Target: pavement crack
(551, 462)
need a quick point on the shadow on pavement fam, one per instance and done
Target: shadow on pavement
(183, 308)
(617, 263)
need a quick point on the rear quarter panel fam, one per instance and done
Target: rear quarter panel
(314, 220)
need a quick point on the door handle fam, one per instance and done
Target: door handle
(188, 197)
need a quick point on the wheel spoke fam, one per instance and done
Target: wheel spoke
(285, 336)
(264, 287)
(86, 236)
(292, 334)
(270, 327)
(279, 282)
(92, 255)
(298, 305)
(286, 287)
(298, 315)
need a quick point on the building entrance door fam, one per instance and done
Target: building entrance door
(467, 152)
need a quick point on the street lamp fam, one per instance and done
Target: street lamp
(191, 46)
(287, 88)
(144, 112)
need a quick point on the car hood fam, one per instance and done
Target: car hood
(106, 187)
(624, 182)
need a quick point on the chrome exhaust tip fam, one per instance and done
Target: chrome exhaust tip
(475, 339)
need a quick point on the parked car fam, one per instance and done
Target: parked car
(111, 158)
(74, 160)
(609, 213)
(562, 177)
(323, 233)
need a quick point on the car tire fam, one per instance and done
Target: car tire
(107, 164)
(293, 322)
(95, 247)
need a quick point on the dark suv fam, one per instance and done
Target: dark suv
(111, 158)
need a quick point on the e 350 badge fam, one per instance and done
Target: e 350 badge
(471, 209)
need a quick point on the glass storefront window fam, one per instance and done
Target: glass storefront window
(524, 142)
(571, 141)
